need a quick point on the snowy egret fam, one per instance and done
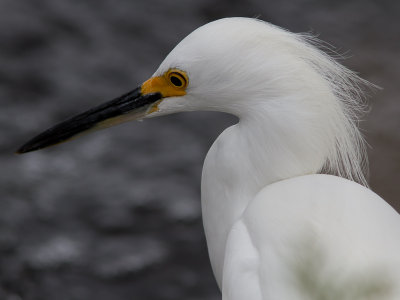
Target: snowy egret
(268, 212)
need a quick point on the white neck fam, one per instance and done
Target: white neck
(245, 158)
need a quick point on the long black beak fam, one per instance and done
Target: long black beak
(130, 106)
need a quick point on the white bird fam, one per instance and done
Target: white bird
(276, 228)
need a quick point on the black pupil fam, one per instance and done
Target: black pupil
(176, 81)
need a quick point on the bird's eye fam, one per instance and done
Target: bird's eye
(177, 78)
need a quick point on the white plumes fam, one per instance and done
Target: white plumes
(348, 159)
(347, 156)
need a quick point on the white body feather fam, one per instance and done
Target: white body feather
(341, 234)
(298, 111)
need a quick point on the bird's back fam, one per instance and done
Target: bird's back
(314, 237)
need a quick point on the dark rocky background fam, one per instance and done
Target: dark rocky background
(116, 215)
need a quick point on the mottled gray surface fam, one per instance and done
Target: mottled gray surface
(116, 215)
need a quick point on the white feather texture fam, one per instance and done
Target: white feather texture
(298, 113)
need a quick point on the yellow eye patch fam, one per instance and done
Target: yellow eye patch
(171, 84)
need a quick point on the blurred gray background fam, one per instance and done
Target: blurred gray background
(116, 215)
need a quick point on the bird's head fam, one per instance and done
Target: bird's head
(248, 68)
(215, 68)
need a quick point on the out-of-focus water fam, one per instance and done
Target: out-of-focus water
(116, 215)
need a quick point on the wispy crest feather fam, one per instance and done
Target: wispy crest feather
(348, 159)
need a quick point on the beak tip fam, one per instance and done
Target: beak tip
(28, 147)
(22, 150)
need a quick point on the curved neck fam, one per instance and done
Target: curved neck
(245, 158)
